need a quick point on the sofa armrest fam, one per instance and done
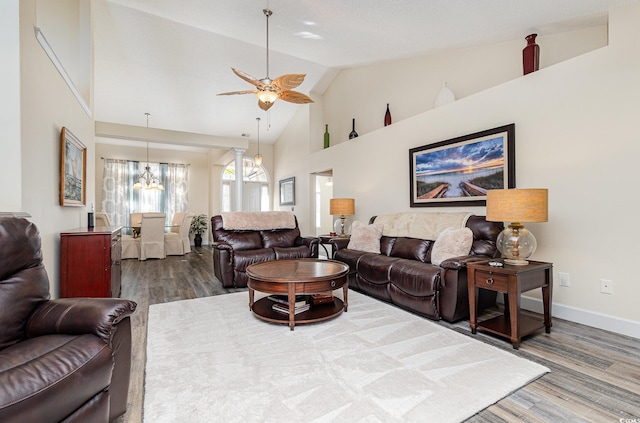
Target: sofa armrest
(339, 243)
(310, 242)
(77, 316)
(456, 263)
(222, 246)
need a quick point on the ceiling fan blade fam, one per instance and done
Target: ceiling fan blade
(264, 106)
(250, 79)
(239, 92)
(289, 81)
(295, 97)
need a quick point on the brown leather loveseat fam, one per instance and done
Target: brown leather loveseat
(243, 238)
(64, 360)
(403, 274)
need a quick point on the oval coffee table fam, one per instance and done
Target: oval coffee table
(297, 276)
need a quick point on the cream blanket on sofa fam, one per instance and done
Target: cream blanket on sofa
(257, 221)
(421, 225)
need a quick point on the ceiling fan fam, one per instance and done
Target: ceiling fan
(269, 90)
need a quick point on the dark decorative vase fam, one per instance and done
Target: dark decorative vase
(531, 55)
(197, 240)
(326, 136)
(387, 117)
(353, 133)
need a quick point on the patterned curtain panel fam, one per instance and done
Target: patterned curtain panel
(177, 186)
(116, 191)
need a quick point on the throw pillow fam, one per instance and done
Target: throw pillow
(451, 243)
(365, 237)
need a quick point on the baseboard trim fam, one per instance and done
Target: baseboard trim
(597, 320)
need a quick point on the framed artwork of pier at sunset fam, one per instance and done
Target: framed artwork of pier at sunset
(459, 171)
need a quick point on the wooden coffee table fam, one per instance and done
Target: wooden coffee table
(296, 277)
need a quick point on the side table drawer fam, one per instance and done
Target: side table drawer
(492, 281)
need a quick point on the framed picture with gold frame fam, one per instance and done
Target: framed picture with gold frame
(73, 170)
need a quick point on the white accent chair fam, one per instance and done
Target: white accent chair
(152, 236)
(102, 219)
(178, 243)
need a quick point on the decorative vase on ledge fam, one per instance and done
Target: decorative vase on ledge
(387, 116)
(326, 136)
(531, 55)
(353, 133)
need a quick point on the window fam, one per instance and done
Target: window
(255, 189)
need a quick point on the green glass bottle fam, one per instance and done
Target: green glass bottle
(326, 136)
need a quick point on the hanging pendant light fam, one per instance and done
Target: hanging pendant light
(258, 158)
(148, 180)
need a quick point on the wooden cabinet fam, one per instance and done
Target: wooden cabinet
(90, 262)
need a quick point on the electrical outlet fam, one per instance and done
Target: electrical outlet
(606, 286)
(564, 279)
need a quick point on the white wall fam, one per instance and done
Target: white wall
(576, 134)
(10, 171)
(46, 105)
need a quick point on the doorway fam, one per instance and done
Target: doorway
(323, 183)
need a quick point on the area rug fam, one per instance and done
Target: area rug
(210, 360)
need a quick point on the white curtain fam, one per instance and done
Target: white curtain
(119, 199)
(177, 187)
(115, 191)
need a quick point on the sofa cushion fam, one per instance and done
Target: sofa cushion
(301, 251)
(48, 377)
(451, 243)
(279, 238)
(411, 249)
(241, 240)
(375, 267)
(21, 261)
(386, 244)
(365, 237)
(349, 257)
(415, 278)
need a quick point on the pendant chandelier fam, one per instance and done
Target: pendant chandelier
(148, 180)
(258, 158)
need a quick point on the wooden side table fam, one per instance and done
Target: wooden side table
(512, 281)
(325, 239)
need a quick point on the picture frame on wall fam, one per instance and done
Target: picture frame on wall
(73, 170)
(288, 191)
(459, 171)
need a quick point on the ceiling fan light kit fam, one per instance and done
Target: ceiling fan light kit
(269, 90)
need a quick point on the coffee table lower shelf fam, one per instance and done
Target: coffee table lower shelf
(262, 309)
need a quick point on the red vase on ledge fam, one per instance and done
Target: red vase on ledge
(531, 55)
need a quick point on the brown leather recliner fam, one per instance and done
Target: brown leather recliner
(235, 250)
(64, 360)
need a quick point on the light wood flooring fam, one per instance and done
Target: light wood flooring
(595, 375)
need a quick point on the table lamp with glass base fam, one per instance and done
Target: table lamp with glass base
(342, 207)
(516, 243)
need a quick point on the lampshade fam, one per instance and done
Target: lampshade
(517, 205)
(516, 243)
(342, 206)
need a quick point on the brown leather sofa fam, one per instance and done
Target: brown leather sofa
(234, 250)
(64, 360)
(402, 273)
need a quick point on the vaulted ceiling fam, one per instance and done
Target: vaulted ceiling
(171, 57)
